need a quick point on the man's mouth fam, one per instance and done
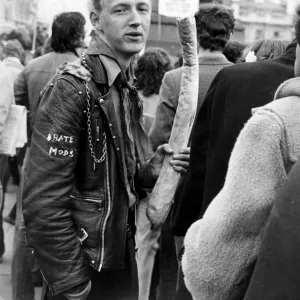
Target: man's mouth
(134, 35)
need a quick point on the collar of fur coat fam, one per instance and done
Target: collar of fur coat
(76, 69)
(288, 88)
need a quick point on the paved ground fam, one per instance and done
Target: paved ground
(5, 267)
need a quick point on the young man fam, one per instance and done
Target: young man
(88, 161)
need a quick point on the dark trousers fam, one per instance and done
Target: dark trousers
(168, 263)
(23, 259)
(3, 164)
(117, 284)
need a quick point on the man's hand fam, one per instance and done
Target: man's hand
(180, 161)
(80, 292)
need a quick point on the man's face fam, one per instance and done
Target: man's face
(125, 25)
(297, 62)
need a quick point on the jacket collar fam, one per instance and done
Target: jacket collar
(288, 88)
(100, 49)
(213, 59)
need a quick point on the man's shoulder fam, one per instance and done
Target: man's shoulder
(35, 62)
(249, 68)
(174, 75)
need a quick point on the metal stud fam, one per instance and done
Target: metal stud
(80, 92)
(114, 137)
(118, 149)
(52, 84)
(101, 101)
(110, 125)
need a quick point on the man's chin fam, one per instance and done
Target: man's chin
(134, 49)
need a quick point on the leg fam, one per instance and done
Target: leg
(146, 239)
(11, 217)
(23, 288)
(2, 246)
(168, 263)
(3, 164)
(22, 285)
(117, 284)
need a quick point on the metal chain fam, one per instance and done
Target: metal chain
(89, 122)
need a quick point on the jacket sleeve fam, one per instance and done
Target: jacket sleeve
(20, 90)
(221, 248)
(6, 98)
(160, 131)
(48, 182)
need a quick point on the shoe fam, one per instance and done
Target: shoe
(9, 220)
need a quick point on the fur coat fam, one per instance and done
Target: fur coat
(222, 247)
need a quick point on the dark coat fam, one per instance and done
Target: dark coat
(276, 274)
(76, 210)
(227, 106)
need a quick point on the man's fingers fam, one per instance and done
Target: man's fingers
(179, 169)
(179, 163)
(185, 150)
(185, 157)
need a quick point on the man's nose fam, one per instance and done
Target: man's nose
(135, 19)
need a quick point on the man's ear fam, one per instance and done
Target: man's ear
(95, 20)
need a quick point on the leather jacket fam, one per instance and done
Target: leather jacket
(76, 207)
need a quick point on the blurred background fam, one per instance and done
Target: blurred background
(29, 21)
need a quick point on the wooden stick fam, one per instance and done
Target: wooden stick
(164, 190)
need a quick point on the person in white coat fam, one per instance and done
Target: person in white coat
(6, 99)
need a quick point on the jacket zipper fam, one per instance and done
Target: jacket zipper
(107, 215)
(97, 142)
(99, 202)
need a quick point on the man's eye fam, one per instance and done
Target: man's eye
(120, 11)
(143, 10)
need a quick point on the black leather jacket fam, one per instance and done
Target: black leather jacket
(76, 209)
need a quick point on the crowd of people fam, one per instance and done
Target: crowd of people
(99, 120)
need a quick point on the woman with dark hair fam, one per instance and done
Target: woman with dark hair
(150, 70)
(68, 33)
(234, 51)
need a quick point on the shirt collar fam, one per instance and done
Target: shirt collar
(99, 47)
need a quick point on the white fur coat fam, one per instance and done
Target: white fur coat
(222, 245)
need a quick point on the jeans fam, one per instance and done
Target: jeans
(23, 259)
(146, 239)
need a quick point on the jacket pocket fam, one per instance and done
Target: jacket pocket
(95, 203)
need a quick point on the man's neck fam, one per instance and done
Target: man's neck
(205, 52)
(124, 62)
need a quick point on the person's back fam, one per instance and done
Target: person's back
(36, 75)
(227, 107)
(214, 26)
